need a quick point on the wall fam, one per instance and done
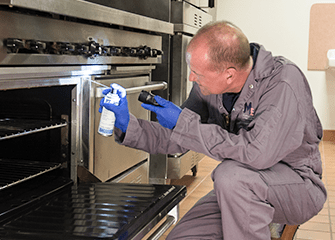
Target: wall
(283, 28)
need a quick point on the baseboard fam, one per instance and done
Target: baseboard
(328, 135)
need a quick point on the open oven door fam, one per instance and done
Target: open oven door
(97, 211)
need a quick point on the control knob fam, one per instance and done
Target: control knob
(13, 43)
(144, 52)
(133, 52)
(129, 51)
(36, 45)
(82, 49)
(156, 52)
(94, 49)
(147, 52)
(105, 51)
(115, 51)
(67, 47)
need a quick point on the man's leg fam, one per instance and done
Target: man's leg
(202, 221)
(250, 200)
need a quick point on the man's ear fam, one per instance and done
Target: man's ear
(230, 74)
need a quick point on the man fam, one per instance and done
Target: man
(254, 113)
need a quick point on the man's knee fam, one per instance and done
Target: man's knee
(226, 176)
(236, 178)
(230, 173)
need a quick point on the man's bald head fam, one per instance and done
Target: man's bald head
(226, 45)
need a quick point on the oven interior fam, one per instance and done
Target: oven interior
(32, 122)
(34, 145)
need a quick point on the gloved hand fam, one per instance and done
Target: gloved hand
(121, 111)
(167, 113)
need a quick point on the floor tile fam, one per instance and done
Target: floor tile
(315, 235)
(322, 227)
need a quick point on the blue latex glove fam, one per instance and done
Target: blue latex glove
(121, 111)
(167, 113)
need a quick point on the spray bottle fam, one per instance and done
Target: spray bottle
(107, 119)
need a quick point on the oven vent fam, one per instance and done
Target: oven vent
(13, 172)
(197, 20)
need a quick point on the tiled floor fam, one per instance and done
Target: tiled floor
(321, 227)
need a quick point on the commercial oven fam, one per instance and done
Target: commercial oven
(54, 56)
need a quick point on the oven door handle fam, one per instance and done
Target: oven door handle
(149, 86)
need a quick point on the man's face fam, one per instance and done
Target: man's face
(210, 82)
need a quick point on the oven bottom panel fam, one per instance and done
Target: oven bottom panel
(96, 210)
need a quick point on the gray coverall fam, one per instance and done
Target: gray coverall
(270, 168)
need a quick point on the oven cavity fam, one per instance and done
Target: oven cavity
(34, 132)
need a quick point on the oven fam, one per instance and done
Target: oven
(59, 178)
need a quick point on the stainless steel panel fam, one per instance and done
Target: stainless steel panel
(206, 3)
(180, 87)
(194, 2)
(157, 9)
(137, 174)
(109, 157)
(95, 12)
(47, 72)
(183, 28)
(158, 169)
(185, 13)
(200, 3)
(179, 165)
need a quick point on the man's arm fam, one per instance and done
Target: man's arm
(276, 130)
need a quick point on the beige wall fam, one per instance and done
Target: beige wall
(283, 28)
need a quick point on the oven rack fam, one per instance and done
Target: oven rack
(13, 172)
(11, 128)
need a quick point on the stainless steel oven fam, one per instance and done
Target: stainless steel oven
(53, 164)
